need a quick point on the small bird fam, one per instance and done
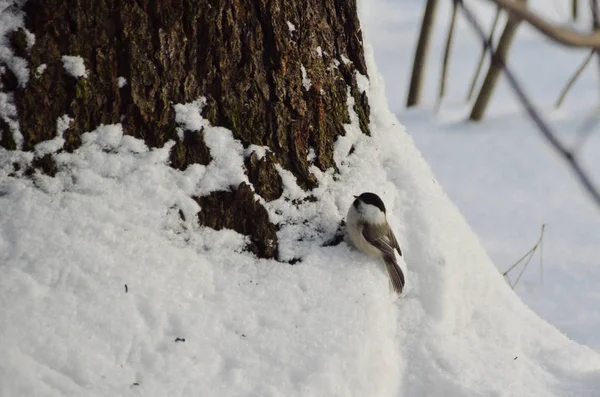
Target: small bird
(370, 232)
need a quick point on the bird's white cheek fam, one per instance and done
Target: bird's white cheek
(372, 214)
(354, 227)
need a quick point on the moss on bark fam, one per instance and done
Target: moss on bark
(241, 55)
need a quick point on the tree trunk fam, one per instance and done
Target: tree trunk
(446, 59)
(484, 51)
(245, 57)
(496, 66)
(419, 63)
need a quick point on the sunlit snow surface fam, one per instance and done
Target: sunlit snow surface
(105, 290)
(501, 173)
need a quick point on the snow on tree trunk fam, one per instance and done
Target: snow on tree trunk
(276, 73)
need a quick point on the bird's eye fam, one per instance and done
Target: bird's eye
(355, 204)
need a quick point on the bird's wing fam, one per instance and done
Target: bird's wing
(387, 247)
(377, 236)
(393, 241)
(385, 240)
(395, 273)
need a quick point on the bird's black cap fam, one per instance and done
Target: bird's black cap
(371, 198)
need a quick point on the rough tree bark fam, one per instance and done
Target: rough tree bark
(242, 55)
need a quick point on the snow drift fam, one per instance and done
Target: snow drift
(107, 290)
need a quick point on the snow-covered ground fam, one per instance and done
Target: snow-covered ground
(105, 290)
(501, 173)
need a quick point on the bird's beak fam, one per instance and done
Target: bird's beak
(355, 196)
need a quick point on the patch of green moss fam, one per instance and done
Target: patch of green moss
(243, 122)
(83, 89)
(177, 156)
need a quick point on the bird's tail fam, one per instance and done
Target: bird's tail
(395, 273)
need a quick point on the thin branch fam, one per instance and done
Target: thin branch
(519, 261)
(557, 33)
(528, 255)
(483, 54)
(543, 127)
(572, 80)
(446, 56)
(522, 270)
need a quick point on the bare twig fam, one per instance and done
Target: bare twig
(446, 57)
(543, 127)
(557, 33)
(527, 257)
(513, 285)
(483, 53)
(572, 80)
